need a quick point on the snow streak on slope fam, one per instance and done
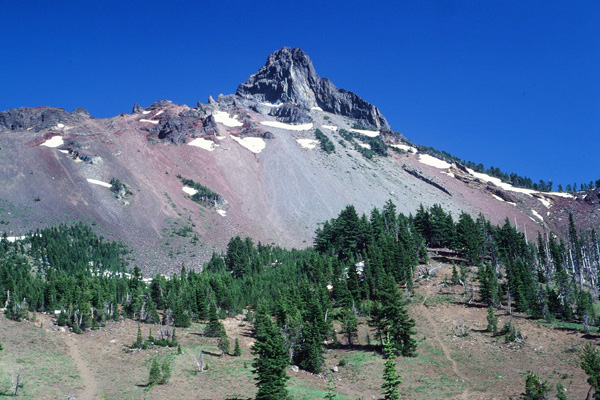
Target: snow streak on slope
(290, 127)
(224, 118)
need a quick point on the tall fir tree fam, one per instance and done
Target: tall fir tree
(270, 362)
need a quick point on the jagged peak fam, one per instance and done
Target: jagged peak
(289, 76)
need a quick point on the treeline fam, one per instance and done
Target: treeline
(359, 266)
(510, 178)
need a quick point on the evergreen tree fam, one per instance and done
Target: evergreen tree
(590, 363)
(390, 318)
(391, 379)
(166, 372)
(349, 325)
(237, 350)
(155, 376)
(214, 327)
(492, 321)
(223, 342)
(535, 389)
(561, 392)
(270, 362)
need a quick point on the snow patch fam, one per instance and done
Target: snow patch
(366, 132)
(432, 161)
(545, 202)
(364, 145)
(64, 151)
(54, 141)
(282, 125)
(225, 119)
(537, 215)
(254, 144)
(149, 121)
(97, 182)
(307, 143)
(498, 198)
(158, 113)
(405, 148)
(271, 105)
(561, 194)
(146, 112)
(499, 183)
(330, 127)
(203, 144)
(13, 239)
(316, 109)
(222, 213)
(189, 190)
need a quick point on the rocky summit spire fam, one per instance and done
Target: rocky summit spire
(289, 77)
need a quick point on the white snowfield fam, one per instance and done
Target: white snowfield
(270, 104)
(307, 143)
(149, 121)
(224, 118)
(203, 144)
(316, 109)
(545, 202)
(146, 112)
(535, 213)
(330, 127)
(405, 147)
(290, 127)
(97, 182)
(254, 144)
(189, 190)
(222, 213)
(54, 141)
(433, 161)
(364, 145)
(64, 151)
(366, 132)
(12, 239)
(499, 183)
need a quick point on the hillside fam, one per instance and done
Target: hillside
(457, 357)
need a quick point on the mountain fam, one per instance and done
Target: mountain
(257, 162)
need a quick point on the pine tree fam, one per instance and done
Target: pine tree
(590, 363)
(223, 342)
(237, 350)
(213, 329)
(271, 361)
(139, 341)
(155, 376)
(492, 321)
(561, 393)
(349, 325)
(391, 379)
(535, 389)
(166, 372)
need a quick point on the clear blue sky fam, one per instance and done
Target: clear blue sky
(513, 84)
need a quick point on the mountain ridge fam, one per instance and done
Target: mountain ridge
(262, 158)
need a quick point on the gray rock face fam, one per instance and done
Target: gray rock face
(36, 119)
(292, 114)
(289, 77)
(174, 129)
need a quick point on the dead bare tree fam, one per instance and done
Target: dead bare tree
(16, 382)
(199, 361)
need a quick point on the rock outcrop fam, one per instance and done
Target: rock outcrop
(290, 77)
(37, 119)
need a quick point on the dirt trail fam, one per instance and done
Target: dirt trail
(427, 314)
(90, 385)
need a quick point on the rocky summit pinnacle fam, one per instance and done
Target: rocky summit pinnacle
(289, 77)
